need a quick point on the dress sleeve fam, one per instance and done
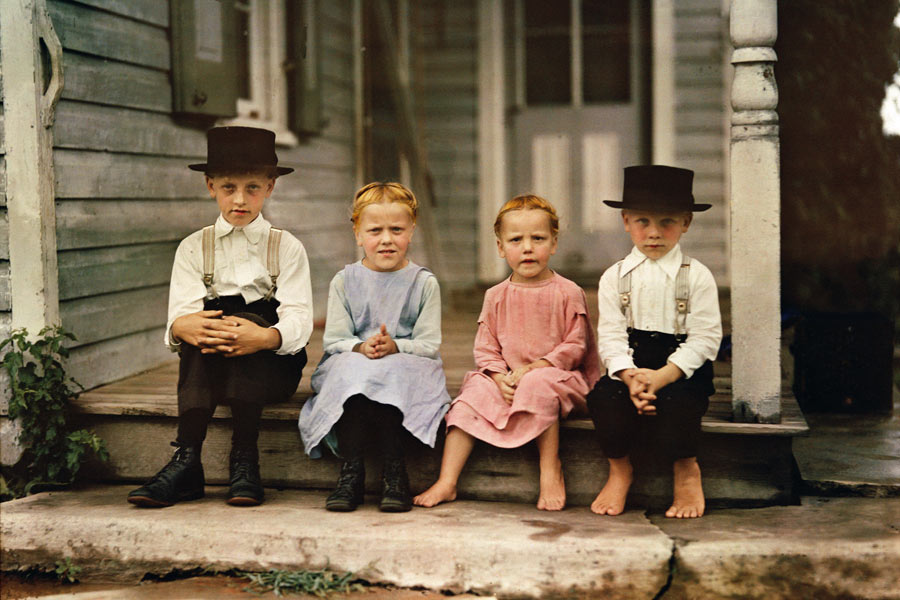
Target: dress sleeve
(294, 294)
(612, 329)
(186, 289)
(426, 333)
(487, 350)
(339, 335)
(569, 353)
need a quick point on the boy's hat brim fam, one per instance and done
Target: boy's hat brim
(658, 188)
(240, 149)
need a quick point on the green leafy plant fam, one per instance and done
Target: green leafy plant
(321, 583)
(40, 391)
(66, 571)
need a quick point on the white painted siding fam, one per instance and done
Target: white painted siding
(700, 40)
(125, 196)
(449, 44)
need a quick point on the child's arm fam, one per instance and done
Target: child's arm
(704, 323)
(612, 328)
(294, 294)
(340, 333)
(426, 334)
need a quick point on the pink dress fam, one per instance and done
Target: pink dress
(521, 323)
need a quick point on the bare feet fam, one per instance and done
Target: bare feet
(611, 499)
(553, 488)
(688, 501)
(437, 493)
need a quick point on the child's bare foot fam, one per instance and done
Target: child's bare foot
(437, 493)
(611, 499)
(688, 501)
(553, 488)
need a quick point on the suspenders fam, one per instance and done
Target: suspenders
(682, 296)
(208, 245)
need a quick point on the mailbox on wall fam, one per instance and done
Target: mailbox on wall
(204, 60)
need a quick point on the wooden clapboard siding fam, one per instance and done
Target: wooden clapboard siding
(447, 40)
(125, 197)
(699, 124)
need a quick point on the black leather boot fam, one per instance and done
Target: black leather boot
(246, 484)
(395, 496)
(351, 487)
(180, 480)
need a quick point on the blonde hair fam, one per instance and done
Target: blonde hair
(377, 192)
(528, 202)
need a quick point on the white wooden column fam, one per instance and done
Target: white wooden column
(755, 214)
(29, 111)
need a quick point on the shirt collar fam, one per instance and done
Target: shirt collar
(670, 263)
(254, 231)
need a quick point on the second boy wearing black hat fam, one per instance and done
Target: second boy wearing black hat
(658, 331)
(240, 316)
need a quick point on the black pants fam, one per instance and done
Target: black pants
(679, 406)
(246, 383)
(365, 423)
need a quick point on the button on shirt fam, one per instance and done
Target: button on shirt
(653, 309)
(240, 269)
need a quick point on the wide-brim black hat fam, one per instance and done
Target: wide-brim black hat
(240, 149)
(658, 188)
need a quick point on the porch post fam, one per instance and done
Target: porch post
(755, 215)
(28, 117)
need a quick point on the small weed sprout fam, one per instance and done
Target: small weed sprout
(321, 583)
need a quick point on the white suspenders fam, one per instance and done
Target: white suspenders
(209, 260)
(682, 296)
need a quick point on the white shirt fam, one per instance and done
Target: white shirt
(240, 269)
(653, 309)
(340, 336)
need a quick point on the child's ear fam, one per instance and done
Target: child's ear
(688, 218)
(500, 249)
(210, 186)
(270, 187)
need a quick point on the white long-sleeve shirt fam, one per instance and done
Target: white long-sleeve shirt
(340, 336)
(240, 269)
(653, 309)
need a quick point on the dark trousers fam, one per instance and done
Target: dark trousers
(680, 406)
(365, 423)
(246, 383)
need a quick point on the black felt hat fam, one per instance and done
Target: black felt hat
(239, 149)
(658, 188)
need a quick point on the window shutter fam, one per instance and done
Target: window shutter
(302, 68)
(203, 58)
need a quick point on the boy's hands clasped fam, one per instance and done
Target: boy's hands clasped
(229, 336)
(644, 383)
(379, 345)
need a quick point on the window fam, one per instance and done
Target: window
(261, 47)
(575, 52)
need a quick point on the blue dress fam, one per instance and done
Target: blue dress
(414, 384)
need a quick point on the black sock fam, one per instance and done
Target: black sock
(351, 428)
(192, 426)
(245, 418)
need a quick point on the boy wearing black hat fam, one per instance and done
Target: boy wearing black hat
(658, 331)
(240, 315)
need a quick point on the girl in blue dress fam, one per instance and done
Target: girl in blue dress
(381, 374)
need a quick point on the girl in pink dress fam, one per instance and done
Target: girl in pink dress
(535, 355)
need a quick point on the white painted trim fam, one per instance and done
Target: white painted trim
(31, 211)
(492, 155)
(663, 82)
(577, 60)
(359, 99)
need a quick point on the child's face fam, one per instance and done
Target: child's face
(655, 233)
(240, 197)
(527, 243)
(384, 231)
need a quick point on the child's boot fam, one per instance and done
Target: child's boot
(246, 484)
(351, 487)
(181, 479)
(395, 496)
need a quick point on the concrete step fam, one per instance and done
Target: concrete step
(839, 548)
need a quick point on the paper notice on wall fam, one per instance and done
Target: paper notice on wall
(208, 30)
